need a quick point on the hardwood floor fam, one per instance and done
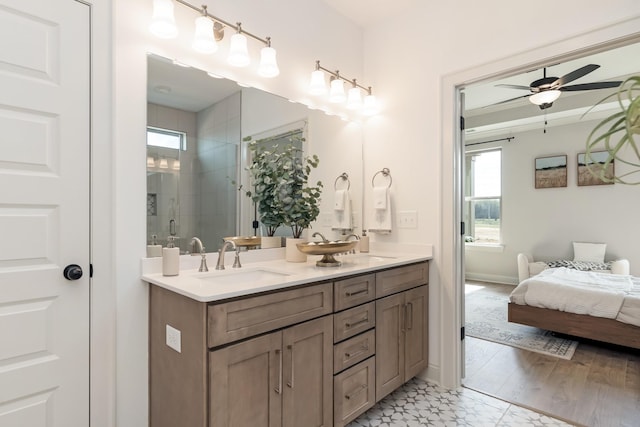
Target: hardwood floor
(600, 386)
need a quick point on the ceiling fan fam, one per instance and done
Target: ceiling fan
(547, 89)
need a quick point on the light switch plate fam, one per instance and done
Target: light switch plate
(174, 339)
(408, 219)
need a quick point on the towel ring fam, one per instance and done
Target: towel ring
(385, 172)
(344, 177)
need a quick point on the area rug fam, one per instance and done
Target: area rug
(486, 318)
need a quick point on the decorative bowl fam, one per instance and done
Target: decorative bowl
(244, 241)
(327, 249)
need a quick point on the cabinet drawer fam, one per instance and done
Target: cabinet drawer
(353, 392)
(402, 278)
(235, 320)
(354, 291)
(353, 321)
(353, 350)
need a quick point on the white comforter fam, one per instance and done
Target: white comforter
(611, 296)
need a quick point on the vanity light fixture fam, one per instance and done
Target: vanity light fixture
(209, 31)
(151, 162)
(317, 86)
(176, 164)
(163, 163)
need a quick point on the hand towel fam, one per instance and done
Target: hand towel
(343, 218)
(339, 200)
(381, 217)
(380, 195)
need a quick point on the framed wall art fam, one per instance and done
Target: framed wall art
(551, 172)
(596, 163)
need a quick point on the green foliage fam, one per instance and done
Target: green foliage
(280, 187)
(617, 134)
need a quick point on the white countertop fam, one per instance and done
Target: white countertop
(261, 276)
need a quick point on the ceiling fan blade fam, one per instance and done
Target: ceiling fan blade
(575, 74)
(590, 86)
(514, 86)
(508, 100)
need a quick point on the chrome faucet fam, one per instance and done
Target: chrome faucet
(353, 250)
(227, 243)
(198, 248)
(317, 233)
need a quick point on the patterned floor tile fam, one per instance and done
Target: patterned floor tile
(419, 403)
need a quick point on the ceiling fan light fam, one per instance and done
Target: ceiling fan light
(203, 40)
(163, 23)
(317, 83)
(545, 97)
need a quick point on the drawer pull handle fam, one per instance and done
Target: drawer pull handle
(361, 350)
(361, 291)
(278, 389)
(356, 392)
(290, 382)
(359, 322)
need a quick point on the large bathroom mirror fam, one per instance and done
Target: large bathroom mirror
(197, 131)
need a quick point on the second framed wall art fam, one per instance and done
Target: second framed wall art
(595, 163)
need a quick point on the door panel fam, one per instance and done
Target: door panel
(416, 335)
(44, 212)
(389, 344)
(308, 374)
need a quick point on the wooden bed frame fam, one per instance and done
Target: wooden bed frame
(579, 325)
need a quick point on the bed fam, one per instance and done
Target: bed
(588, 304)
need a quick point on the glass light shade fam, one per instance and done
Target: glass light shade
(370, 107)
(545, 97)
(238, 53)
(317, 84)
(354, 99)
(151, 162)
(268, 64)
(176, 164)
(163, 23)
(163, 164)
(203, 40)
(336, 93)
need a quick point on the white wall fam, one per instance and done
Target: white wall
(415, 61)
(544, 222)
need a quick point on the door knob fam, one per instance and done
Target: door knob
(72, 272)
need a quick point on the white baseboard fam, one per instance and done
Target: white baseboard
(431, 374)
(492, 278)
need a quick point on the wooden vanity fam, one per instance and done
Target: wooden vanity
(317, 354)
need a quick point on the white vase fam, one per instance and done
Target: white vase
(292, 254)
(267, 242)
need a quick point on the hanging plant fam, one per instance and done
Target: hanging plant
(618, 135)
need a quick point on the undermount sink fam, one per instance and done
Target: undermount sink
(231, 277)
(366, 258)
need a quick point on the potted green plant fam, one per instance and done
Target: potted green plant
(299, 202)
(264, 172)
(617, 135)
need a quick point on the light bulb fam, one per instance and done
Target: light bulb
(163, 23)
(545, 97)
(238, 53)
(203, 40)
(317, 84)
(354, 99)
(336, 93)
(268, 64)
(370, 107)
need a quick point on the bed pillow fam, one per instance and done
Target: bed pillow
(589, 252)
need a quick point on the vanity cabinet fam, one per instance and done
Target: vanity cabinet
(279, 379)
(314, 355)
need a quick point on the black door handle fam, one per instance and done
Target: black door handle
(72, 272)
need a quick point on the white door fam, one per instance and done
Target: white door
(44, 212)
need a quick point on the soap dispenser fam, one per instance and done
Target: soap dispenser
(154, 250)
(364, 242)
(170, 258)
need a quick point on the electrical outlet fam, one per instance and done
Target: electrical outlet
(174, 339)
(408, 219)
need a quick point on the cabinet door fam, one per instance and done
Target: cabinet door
(308, 374)
(416, 334)
(389, 344)
(246, 383)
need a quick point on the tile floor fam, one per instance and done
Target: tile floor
(419, 403)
